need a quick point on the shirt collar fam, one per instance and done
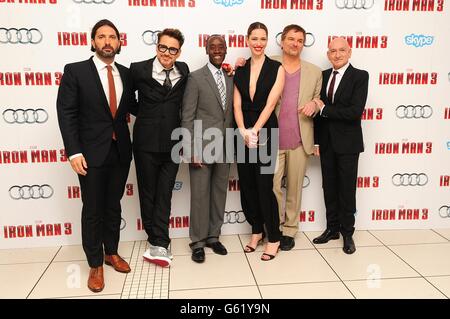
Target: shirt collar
(213, 68)
(157, 66)
(100, 65)
(343, 69)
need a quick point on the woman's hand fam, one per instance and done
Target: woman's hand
(250, 137)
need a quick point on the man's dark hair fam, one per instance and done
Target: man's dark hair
(294, 27)
(173, 33)
(255, 26)
(100, 24)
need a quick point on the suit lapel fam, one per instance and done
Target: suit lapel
(303, 75)
(326, 77)
(124, 86)
(230, 89)
(99, 85)
(183, 76)
(344, 81)
(148, 72)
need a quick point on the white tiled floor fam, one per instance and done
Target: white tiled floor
(387, 264)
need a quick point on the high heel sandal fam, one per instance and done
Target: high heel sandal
(250, 249)
(269, 255)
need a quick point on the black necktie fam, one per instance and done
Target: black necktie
(167, 83)
(331, 88)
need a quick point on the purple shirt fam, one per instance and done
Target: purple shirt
(288, 118)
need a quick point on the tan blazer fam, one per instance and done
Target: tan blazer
(310, 86)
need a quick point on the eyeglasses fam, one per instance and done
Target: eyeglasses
(163, 48)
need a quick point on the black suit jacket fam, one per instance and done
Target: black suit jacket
(339, 125)
(159, 111)
(84, 117)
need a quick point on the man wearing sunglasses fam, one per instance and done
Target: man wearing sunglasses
(160, 83)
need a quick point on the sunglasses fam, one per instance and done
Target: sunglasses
(163, 48)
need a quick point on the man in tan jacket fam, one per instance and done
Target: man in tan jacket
(296, 142)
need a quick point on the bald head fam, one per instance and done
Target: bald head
(340, 41)
(339, 52)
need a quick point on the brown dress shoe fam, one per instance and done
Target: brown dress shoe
(96, 283)
(118, 263)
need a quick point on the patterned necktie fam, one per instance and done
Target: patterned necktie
(331, 88)
(112, 95)
(221, 87)
(167, 83)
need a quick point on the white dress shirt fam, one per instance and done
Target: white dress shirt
(336, 82)
(214, 70)
(338, 78)
(103, 74)
(159, 75)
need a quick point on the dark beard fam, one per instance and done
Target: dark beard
(105, 54)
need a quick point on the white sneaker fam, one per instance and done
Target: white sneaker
(169, 252)
(157, 255)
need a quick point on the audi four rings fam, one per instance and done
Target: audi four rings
(414, 111)
(22, 116)
(150, 37)
(234, 217)
(123, 224)
(94, 1)
(309, 40)
(444, 211)
(22, 36)
(354, 4)
(414, 179)
(31, 192)
(306, 181)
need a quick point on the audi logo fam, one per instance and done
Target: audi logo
(354, 4)
(234, 217)
(150, 37)
(94, 1)
(444, 211)
(22, 36)
(309, 41)
(123, 224)
(413, 111)
(306, 182)
(17, 192)
(22, 116)
(410, 179)
(177, 185)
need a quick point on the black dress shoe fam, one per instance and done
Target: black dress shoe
(349, 245)
(287, 243)
(326, 236)
(217, 247)
(198, 255)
